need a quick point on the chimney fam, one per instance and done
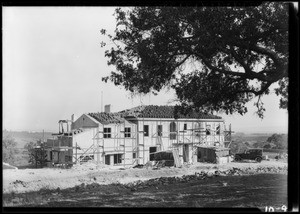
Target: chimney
(107, 108)
(73, 118)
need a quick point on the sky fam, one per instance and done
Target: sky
(53, 64)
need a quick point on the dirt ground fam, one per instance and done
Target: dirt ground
(244, 191)
(190, 191)
(28, 180)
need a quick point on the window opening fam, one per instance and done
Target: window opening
(117, 158)
(146, 130)
(159, 130)
(127, 132)
(107, 133)
(173, 131)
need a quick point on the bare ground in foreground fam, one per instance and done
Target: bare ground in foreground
(237, 184)
(252, 191)
(28, 180)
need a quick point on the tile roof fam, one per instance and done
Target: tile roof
(107, 118)
(154, 111)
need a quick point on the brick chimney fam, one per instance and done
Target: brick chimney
(107, 108)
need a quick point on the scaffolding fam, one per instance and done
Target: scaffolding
(195, 137)
(119, 143)
(187, 139)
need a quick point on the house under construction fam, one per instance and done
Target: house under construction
(130, 136)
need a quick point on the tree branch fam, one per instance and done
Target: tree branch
(240, 60)
(261, 50)
(180, 63)
(257, 93)
(250, 74)
(208, 64)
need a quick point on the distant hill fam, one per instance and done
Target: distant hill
(262, 130)
(25, 137)
(252, 138)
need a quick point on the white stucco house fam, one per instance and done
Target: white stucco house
(130, 136)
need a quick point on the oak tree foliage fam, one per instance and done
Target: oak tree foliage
(216, 58)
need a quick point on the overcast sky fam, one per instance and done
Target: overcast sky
(53, 64)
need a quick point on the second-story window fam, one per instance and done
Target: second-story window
(159, 130)
(127, 132)
(218, 130)
(198, 129)
(107, 133)
(208, 127)
(146, 130)
(184, 127)
(173, 131)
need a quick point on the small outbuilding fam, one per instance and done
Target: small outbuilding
(213, 154)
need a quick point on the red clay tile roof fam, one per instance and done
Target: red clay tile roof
(107, 118)
(154, 111)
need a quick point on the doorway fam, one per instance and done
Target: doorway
(151, 150)
(117, 159)
(107, 159)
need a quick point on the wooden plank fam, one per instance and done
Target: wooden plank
(160, 143)
(176, 158)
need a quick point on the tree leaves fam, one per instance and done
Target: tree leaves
(37, 155)
(232, 44)
(9, 148)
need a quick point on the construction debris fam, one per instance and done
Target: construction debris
(134, 186)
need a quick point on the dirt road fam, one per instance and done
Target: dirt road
(222, 191)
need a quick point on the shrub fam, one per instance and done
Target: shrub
(9, 149)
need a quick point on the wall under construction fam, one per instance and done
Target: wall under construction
(132, 141)
(182, 134)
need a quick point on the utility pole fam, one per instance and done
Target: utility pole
(101, 101)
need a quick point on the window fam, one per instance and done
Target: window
(107, 159)
(173, 131)
(146, 130)
(152, 149)
(197, 129)
(184, 127)
(127, 132)
(207, 129)
(134, 155)
(159, 130)
(117, 158)
(218, 129)
(107, 133)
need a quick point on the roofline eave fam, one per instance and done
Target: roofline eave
(107, 123)
(93, 119)
(178, 119)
